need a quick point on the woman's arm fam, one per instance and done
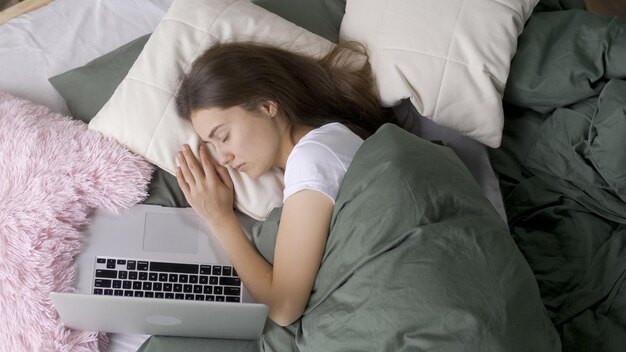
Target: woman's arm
(286, 286)
(300, 245)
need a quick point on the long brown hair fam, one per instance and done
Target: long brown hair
(308, 91)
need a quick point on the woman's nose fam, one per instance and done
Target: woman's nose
(224, 157)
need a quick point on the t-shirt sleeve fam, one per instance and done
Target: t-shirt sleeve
(313, 166)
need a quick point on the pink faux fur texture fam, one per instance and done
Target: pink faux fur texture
(53, 173)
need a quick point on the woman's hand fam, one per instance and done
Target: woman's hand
(206, 184)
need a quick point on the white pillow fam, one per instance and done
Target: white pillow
(141, 114)
(451, 57)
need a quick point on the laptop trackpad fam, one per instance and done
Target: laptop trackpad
(171, 233)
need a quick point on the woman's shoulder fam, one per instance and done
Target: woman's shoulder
(330, 143)
(335, 136)
(320, 160)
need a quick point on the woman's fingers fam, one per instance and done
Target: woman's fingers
(222, 172)
(184, 186)
(192, 163)
(211, 168)
(207, 162)
(184, 168)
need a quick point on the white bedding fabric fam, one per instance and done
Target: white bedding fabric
(66, 34)
(69, 33)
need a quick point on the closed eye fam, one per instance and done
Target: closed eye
(226, 137)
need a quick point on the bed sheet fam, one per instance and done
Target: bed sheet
(69, 33)
(66, 34)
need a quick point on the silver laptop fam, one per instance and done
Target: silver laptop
(158, 271)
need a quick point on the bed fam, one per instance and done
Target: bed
(59, 42)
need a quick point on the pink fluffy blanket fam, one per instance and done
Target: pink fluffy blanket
(53, 173)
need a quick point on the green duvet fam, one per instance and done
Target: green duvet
(562, 167)
(416, 260)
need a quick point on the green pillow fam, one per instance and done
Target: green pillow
(86, 89)
(322, 17)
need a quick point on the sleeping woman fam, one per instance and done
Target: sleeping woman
(262, 107)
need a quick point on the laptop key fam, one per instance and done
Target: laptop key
(149, 294)
(137, 285)
(219, 298)
(205, 269)
(138, 293)
(117, 283)
(153, 277)
(142, 265)
(158, 295)
(174, 267)
(208, 290)
(193, 279)
(210, 298)
(218, 290)
(199, 297)
(179, 296)
(110, 263)
(217, 270)
(127, 285)
(230, 281)
(227, 271)
(197, 289)
(119, 293)
(98, 291)
(232, 291)
(122, 275)
(173, 278)
(101, 260)
(163, 277)
(188, 288)
(128, 293)
(167, 287)
(169, 295)
(147, 286)
(189, 297)
(102, 283)
(178, 288)
(204, 279)
(132, 275)
(157, 286)
(232, 299)
(143, 276)
(131, 265)
(111, 274)
(108, 292)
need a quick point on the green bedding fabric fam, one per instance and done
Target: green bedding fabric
(322, 17)
(416, 259)
(562, 168)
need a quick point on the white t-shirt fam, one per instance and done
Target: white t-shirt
(320, 159)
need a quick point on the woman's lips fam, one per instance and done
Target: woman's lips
(241, 167)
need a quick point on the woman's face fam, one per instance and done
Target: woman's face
(247, 141)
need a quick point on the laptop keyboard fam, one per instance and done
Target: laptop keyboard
(166, 280)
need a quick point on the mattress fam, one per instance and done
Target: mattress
(69, 33)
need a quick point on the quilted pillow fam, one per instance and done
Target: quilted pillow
(451, 58)
(141, 114)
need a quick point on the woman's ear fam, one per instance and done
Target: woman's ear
(269, 108)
